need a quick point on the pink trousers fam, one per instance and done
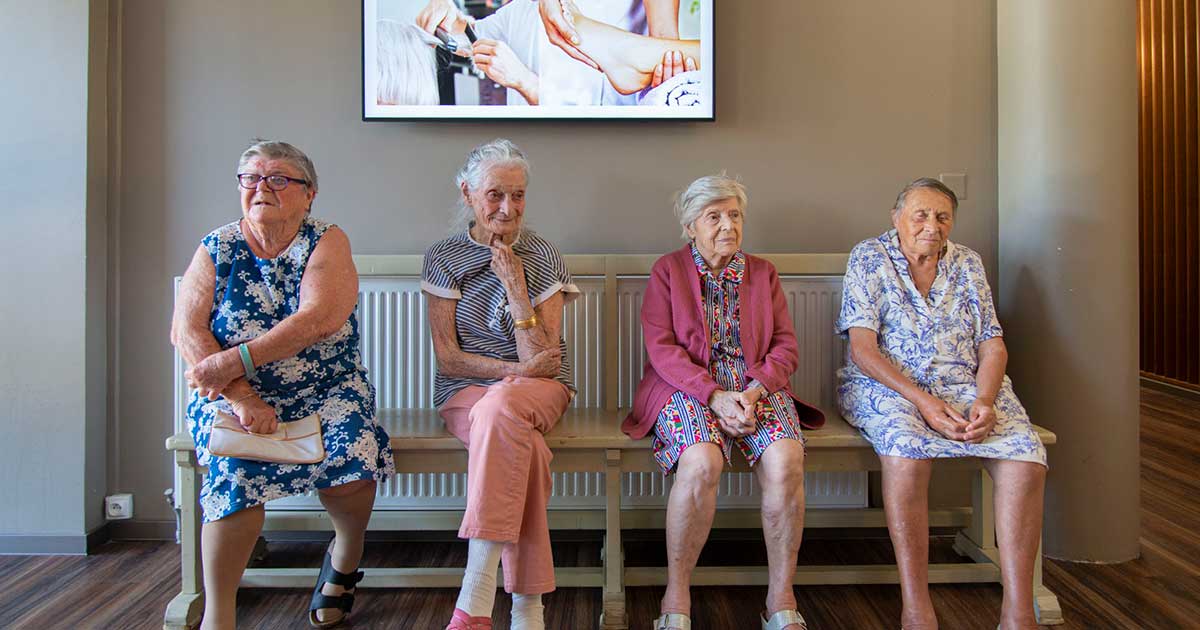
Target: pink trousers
(508, 472)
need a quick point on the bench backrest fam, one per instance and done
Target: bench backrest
(604, 341)
(602, 327)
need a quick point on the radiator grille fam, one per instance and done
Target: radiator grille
(398, 354)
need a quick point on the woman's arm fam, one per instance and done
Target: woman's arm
(509, 268)
(191, 331)
(993, 359)
(453, 361)
(941, 417)
(192, 335)
(541, 341)
(328, 293)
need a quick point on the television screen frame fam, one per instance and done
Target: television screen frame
(697, 87)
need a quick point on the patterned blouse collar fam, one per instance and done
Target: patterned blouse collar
(891, 242)
(734, 271)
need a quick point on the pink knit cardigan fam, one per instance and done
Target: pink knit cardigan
(677, 344)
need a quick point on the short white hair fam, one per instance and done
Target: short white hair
(704, 192)
(406, 66)
(500, 152)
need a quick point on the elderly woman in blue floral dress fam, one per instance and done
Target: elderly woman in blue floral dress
(925, 379)
(265, 317)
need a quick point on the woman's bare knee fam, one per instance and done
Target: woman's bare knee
(782, 462)
(701, 464)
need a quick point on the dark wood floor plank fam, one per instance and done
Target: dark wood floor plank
(127, 585)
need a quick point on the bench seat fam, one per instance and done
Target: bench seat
(591, 440)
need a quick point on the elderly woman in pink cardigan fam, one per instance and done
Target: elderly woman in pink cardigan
(721, 351)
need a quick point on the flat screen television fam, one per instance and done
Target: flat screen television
(537, 59)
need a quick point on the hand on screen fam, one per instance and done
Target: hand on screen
(673, 63)
(498, 61)
(557, 18)
(443, 13)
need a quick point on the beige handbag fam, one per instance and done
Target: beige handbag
(296, 442)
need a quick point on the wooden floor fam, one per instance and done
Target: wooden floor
(127, 585)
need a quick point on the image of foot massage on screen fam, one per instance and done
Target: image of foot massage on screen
(540, 53)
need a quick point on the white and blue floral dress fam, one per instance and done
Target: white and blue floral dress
(253, 295)
(934, 341)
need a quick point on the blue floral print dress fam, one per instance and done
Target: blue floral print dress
(252, 295)
(934, 341)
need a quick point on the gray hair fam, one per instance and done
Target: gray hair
(704, 192)
(480, 161)
(927, 183)
(406, 66)
(276, 150)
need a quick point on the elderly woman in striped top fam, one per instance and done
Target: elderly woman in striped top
(496, 293)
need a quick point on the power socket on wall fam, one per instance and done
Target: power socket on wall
(118, 506)
(956, 182)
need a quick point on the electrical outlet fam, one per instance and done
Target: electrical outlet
(118, 506)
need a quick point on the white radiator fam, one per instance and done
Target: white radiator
(398, 354)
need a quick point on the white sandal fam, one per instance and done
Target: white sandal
(783, 619)
(678, 621)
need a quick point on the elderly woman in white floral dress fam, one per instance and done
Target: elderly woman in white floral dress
(265, 317)
(925, 379)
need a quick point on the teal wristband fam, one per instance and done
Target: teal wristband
(247, 364)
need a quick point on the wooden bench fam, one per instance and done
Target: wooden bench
(603, 337)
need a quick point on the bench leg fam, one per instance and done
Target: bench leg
(259, 553)
(613, 615)
(184, 611)
(1045, 603)
(982, 530)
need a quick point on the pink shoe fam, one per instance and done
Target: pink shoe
(463, 621)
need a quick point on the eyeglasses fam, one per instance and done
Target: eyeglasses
(275, 183)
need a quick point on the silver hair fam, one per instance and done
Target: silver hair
(406, 66)
(480, 161)
(276, 150)
(928, 183)
(704, 192)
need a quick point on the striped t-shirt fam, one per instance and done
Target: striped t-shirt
(460, 268)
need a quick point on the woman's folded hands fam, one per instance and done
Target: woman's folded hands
(736, 417)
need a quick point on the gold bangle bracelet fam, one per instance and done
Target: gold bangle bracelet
(239, 399)
(526, 324)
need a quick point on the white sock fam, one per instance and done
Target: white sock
(528, 613)
(478, 592)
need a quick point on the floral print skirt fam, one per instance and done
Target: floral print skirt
(685, 421)
(356, 448)
(895, 428)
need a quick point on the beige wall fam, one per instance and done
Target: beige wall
(825, 109)
(53, 309)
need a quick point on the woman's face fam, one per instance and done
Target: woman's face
(717, 232)
(261, 205)
(923, 225)
(499, 200)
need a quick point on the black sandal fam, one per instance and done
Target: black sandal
(343, 602)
